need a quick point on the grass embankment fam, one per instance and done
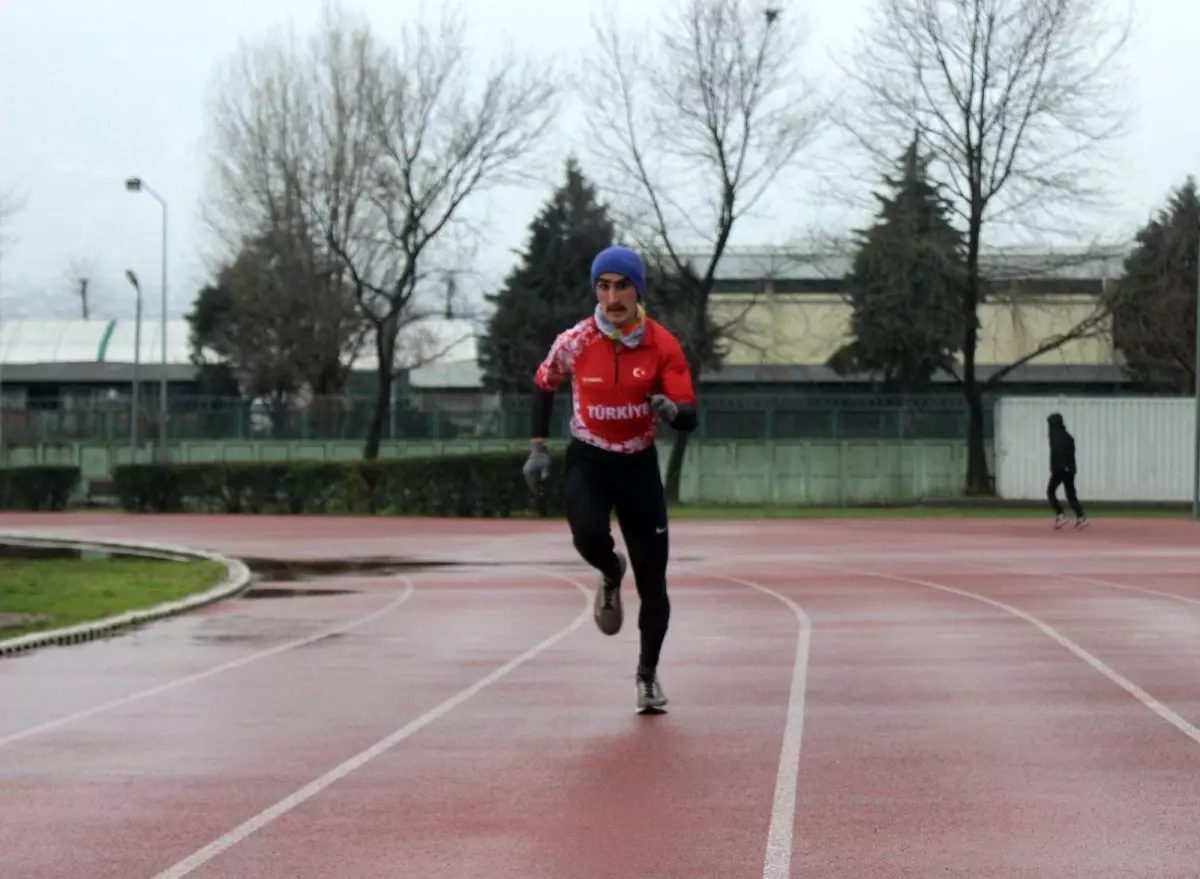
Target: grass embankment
(39, 594)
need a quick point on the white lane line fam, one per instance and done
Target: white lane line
(1116, 677)
(777, 859)
(828, 553)
(265, 817)
(402, 596)
(1096, 581)
(1173, 596)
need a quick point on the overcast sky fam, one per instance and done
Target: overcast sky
(93, 91)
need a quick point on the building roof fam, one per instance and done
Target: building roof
(89, 341)
(808, 373)
(436, 352)
(1008, 263)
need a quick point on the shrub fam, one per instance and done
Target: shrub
(39, 487)
(486, 485)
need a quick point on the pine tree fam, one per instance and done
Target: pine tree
(548, 290)
(904, 284)
(1154, 304)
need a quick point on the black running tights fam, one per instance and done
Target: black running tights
(599, 483)
(1067, 480)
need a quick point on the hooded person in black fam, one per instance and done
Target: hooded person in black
(1062, 472)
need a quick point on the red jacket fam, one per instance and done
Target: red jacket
(611, 381)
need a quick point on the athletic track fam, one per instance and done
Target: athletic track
(982, 698)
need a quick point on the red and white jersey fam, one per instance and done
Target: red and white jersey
(611, 381)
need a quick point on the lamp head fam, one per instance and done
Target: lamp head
(134, 184)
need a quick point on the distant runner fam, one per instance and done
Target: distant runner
(1062, 472)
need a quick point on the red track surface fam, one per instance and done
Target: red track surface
(849, 699)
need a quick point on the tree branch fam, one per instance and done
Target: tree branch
(1090, 327)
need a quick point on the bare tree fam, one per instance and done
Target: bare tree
(10, 205)
(713, 106)
(283, 317)
(442, 133)
(384, 147)
(80, 272)
(292, 169)
(1015, 101)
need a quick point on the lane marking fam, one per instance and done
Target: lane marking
(122, 701)
(780, 837)
(1111, 584)
(401, 597)
(288, 803)
(1116, 677)
(777, 859)
(871, 552)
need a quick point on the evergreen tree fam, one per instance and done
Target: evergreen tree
(548, 290)
(905, 284)
(1154, 304)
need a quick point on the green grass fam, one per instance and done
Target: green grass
(66, 592)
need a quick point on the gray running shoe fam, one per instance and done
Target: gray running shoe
(650, 696)
(606, 606)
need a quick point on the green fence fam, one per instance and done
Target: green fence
(749, 448)
(789, 472)
(725, 416)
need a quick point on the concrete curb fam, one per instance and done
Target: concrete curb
(237, 579)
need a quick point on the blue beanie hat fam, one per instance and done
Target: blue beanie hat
(623, 261)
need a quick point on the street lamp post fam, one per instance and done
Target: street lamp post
(135, 407)
(136, 184)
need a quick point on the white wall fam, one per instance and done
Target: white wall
(1126, 448)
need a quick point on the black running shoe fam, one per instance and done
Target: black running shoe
(606, 607)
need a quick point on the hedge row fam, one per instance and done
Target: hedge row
(38, 488)
(484, 485)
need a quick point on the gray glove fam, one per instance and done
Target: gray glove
(537, 468)
(662, 407)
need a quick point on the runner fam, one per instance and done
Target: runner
(627, 371)
(1062, 472)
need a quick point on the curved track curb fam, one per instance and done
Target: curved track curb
(236, 579)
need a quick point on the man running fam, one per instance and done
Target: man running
(627, 370)
(1062, 472)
